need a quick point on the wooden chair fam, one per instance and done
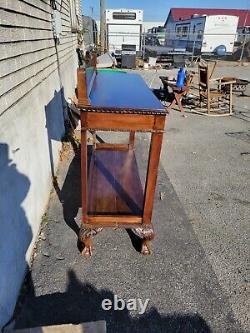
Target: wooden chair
(180, 93)
(212, 96)
(90, 59)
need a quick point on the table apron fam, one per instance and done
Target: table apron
(123, 122)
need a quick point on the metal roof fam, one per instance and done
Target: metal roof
(186, 13)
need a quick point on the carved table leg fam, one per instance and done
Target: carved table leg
(146, 233)
(131, 140)
(85, 235)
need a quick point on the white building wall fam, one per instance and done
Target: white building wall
(145, 25)
(35, 79)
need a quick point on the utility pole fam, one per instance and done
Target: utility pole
(92, 11)
(245, 38)
(102, 25)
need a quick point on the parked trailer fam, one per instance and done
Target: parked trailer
(203, 34)
(123, 26)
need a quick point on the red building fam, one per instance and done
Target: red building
(177, 14)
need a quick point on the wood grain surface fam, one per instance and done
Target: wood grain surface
(115, 187)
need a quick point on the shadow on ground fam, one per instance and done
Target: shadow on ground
(83, 303)
(15, 231)
(245, 136)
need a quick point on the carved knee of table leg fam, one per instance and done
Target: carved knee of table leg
(85, 235)
(146, 233)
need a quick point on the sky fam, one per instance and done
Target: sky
(157, 10)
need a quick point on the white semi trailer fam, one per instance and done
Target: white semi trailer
(123, 26)
(202, 34)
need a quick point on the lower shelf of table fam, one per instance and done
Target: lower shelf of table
(115, 194)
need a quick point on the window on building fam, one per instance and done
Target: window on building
(124, 16)
(199, 35)
(178, 31)
(184, 31)
(74, 16)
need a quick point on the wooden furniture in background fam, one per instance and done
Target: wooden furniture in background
(213, 98)
(179, 93)
(112, 194)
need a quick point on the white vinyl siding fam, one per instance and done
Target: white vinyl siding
(27, 48)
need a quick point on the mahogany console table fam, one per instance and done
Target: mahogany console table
(112, 194)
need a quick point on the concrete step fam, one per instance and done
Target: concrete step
(91, 327)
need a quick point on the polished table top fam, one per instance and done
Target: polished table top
(121, 91)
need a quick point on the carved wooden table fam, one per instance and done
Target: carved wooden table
(112, 194)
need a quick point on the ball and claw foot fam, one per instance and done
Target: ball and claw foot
(146, 247)
(146, 234)
(85, 239)
(88, 248)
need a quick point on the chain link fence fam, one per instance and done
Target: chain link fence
(227, 47)
(230, 47)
